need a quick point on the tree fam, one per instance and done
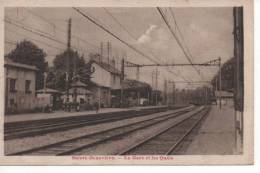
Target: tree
(28, 53)
(227, 76)
(69, 62)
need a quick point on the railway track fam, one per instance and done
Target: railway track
(172, 138)
(40, 127)
(71, 146)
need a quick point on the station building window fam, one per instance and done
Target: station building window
(27, 87)
(12, 85)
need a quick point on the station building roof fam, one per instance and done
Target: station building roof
(10, 63)
(48, 90)
(106, 67)
(78, 84)
(224, 94)
(135, 84)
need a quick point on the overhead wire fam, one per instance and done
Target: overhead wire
(10, 42)
(114, 35)
(124, 28)
(60, 29)
(181, 36)
(176, 38)
(29, 29)
(15, 43)
(135, 38)
(33, 39)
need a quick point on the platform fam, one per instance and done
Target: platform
(60, 114)
(217, 133)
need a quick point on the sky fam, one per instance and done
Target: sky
(206, 34)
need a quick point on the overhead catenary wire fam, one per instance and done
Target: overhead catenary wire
(33, 31)
(135, 38)
(21, 23)
(61, 30)
(12, 42)
(47, 21)
(153, 57)
(42, 18)
(114, 35)
(176, 38)
(124, 28)
(36, 40)
(131, 35)
(28, 29)
(44, 34)
(181, 35)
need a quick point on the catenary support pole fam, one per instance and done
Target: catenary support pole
(122, 80)
(220, 87)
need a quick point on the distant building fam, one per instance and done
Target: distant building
(48, 96)
(156, 97)
(20, 81)
(135, 93)
(79, 93)
(226, 97)
(104, 79)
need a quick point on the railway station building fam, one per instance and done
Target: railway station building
(77, 92)
(104, 79)
(50, 97)
(135, 93)
(20, 83)
(227, 97)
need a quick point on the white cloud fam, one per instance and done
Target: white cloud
(155, 38)
(147, 36)
(161, 39)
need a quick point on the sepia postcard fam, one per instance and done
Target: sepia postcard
(126, 82)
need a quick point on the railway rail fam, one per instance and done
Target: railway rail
(39, 127)
(172, 138)
(74, 145)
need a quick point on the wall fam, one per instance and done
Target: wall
(115, 82)
(105, 78)
(103, 93)
(101, 76)
(106, 82)
(23, 100)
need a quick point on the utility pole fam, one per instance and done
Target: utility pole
(74, 75)
(220, 88)
(99, 97)
(100, 60)
(239, 77)
(108, 52)
(167, 98)
(69, 34)
(137, 73)
(156, 86)
(206, 95)
(165, 91)
(156, 80)
(122, 80)
(152, 96)
(101, 51)
(173, 93)
(67, 59)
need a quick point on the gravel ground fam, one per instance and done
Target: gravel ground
(16, 145)
(112, 148)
